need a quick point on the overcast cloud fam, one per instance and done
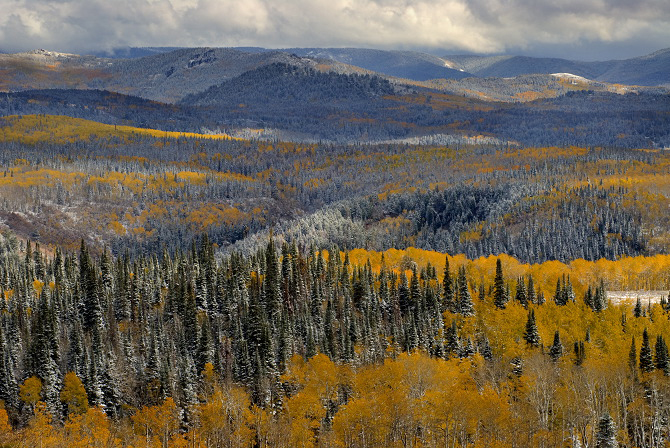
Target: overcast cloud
(582, 27)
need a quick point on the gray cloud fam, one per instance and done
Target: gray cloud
(482, 26)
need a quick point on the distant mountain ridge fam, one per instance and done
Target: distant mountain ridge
(649, 70)
(401, 64)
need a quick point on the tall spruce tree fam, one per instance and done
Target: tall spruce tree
(556, 350)
(465, 305)
(499, 293)
(606, 434)
(646, 357)
(531, 334)
(661, 360)
(521, 295)
(447, 289)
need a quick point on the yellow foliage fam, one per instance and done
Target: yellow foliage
(5, 427)
(30, 390)
(158, 424)
(89, 429)
(627, 273)
(33, 129)
(226, 419)
(38, 285)
(73, 394)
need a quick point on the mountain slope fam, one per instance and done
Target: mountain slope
(652, 69)
(165, 77)
(649, 70)
(401, 64)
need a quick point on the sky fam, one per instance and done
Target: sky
(576, 29)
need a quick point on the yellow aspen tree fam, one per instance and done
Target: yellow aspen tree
(73, 394)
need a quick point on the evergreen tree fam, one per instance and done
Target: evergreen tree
(272, 283)
(91, 308)
(521, 295)
(531, 334)
(661, 360)
(8, 384)
(600, 298)
(452, 343)
(499, 294)
(556, 350)
(561, 294)
(606, 435)
(448, 289)
(465, 305)
(638, 311)
(588, 298)
(646, 358)
(404, 297)
(530, 291)
(485, 349)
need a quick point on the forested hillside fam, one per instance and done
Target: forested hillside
(63, 179)
(309, 99)
(287, 347)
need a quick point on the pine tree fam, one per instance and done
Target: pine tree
(452, 343)
(556, 350)
(415, 296)
(661, 360)
(465, 305)
(499, 294)
(530, 291)
(531, 334)
(606, 435)
(569, 293)
(517, 365)
(561, 296)
(448, 289)
(272, 283)
(91, 308)
(404, 298)
(8, 384)
(646, 359)
(637, 311)
(588, 298)
(600, 298)
(485, 349)
(521, 295)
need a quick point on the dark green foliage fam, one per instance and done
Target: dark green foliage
(530, 291)
(661, 359)
(606, 435)
(564, 292)
(646, 357)
(638, 311)
(521, 295)
(485, 349)
(499, 294)
(596, 299)
(531, 334)
(556, 350)
(465, 305)
(448, 289)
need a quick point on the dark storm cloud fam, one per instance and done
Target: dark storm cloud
(461, 25)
